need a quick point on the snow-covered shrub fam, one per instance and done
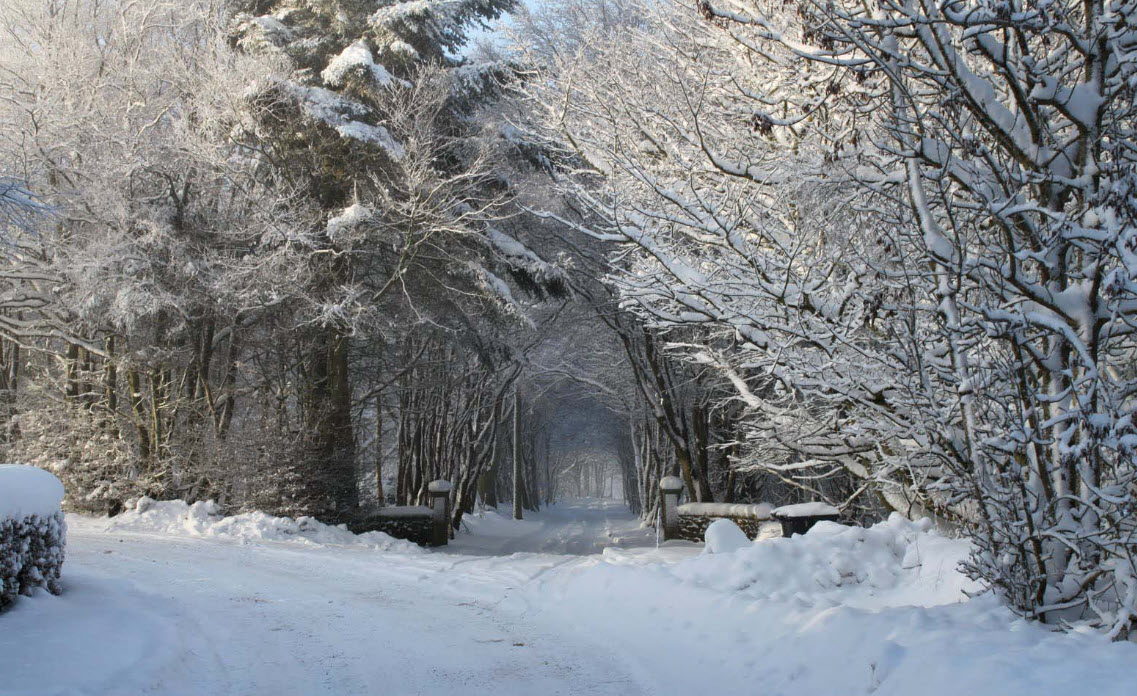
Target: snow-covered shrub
(32, 532)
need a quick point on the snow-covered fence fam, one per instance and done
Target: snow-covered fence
(690, 520)
(32, 532)
(694, 518)
(421, 524)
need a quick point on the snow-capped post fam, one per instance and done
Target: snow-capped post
(440, 504)
(669, 489)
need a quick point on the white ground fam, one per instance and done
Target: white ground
(209, 609)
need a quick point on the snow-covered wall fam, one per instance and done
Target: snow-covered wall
(32, 531)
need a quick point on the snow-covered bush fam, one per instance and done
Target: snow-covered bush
(32, 532)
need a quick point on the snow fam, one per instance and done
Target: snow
(28, 490)
(204, 519)
(724, 536)
(761, 511)
(806, 510)
(671, 483)
(439, 486)
(357, 57)
(342, 114)
(162, 608)
(348, 219)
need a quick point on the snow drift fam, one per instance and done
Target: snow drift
(204, 519)
(840, 610)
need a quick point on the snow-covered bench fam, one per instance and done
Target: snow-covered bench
(423, 525)
(32, 532)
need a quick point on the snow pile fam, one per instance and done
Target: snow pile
(724, 536)
(889, 564)
(32, 532)
(836, 611)
(204, 519)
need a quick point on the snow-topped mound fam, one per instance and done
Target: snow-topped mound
(894, 563)
(204, 519)
(28, 490)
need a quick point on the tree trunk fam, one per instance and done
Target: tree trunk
(518, 486)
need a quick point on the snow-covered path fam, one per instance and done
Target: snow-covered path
(215, 616)
(578, 528)
(205, 606)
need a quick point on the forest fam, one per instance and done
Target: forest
(304, 257)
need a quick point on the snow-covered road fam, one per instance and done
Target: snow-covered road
(153, 613)
(180, 601)
(577, 527)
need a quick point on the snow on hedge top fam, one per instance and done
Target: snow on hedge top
(894, 563)
(761, 511)
(28, 490)
(204, 519)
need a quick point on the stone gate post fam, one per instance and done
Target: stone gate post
(669, 489)
(440, 504)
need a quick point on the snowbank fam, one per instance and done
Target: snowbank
(839, 610)
(28, 490)
(204, 519)
(32, 532)
(894, 563)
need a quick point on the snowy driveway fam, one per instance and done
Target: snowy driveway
(198, 604)
(153, 613)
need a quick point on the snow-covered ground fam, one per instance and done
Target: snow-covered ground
(175, 601)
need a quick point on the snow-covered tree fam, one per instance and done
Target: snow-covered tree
(910, 229)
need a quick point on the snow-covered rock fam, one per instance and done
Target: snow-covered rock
(204, 519)
(724, 536)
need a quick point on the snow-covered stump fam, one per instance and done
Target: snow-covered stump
(797, 519)
(669, 489)
(440, 508)
(32, 532)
